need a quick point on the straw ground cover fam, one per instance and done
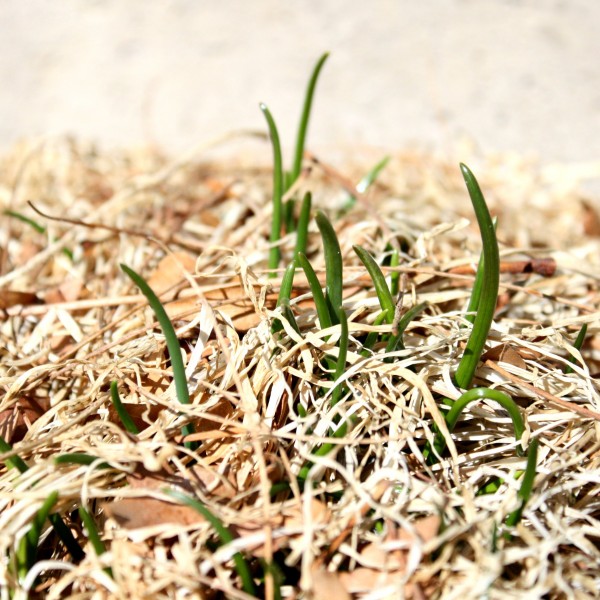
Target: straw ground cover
(228, 494)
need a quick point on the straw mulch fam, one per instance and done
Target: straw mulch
(376, 521)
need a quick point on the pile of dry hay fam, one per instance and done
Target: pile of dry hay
(377, 522)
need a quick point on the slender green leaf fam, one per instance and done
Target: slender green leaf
(341, 360)
(303, 220)
(79, 458)
(477, 285)
(181, 386)
(283, 300)
(577, 344)
(304, 118)
(323, 450)
(526, 485)
(27, 549)
(490, 283)
(13, 462)
(124, 416)
(24, 219)
(383, 293)
(373, 336)
(333, 266)
(287, 218)
(396, 342)
(63, 532)
(317, 292)
(275, 252)
(459, 405)
(93, 535)
(66, 537)
(366, 182)
(395, 275)
(39, 228)
(223, 532)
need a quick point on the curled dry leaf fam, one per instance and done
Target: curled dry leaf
(507, 354)
(146, 512)
(9, 298)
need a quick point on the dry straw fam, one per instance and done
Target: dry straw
(372, 519)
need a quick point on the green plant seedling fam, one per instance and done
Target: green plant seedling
(276, 222)
(383, 293)
(283, 300)
(341, 359)
(477, 286)
(124, 416)
(34, 225)
(396, 342)
(489, 286)
(366, 182)
(317, 292)
(323, 450)
(302, 229)
(459, 405)
(181, 386)
(79, 458)
(333, 267)
(577, 344)
(27, 548)
(526, 485)
(222, 531)
(304, 118)
(13, 462)
(63, 532)
(373, 336)
(395, 275)
(25, 219)
(93, 535)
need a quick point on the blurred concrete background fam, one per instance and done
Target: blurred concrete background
(512, 75)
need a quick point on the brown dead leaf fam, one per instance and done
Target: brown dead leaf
(15, 421)
(291, 516)
(591, 220)
(168, 273)
(363, 580)
(209, 480)
(136, 513)
(183, 309)
(9, 298)
(233, 302)
(507, 354)
(327, 585)
(69, 290)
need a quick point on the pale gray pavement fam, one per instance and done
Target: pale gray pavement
(512, 75)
